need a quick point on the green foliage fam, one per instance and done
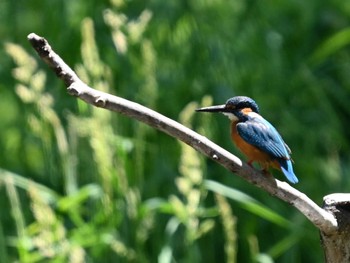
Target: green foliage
(81, 184)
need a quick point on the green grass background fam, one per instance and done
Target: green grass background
(81, 184)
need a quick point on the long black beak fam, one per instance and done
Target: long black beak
(217, 108)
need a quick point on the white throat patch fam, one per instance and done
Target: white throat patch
(231, 116)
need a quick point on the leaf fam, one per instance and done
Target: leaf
(330, 46)
(248, 203)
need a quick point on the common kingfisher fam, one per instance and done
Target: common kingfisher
(255, 136)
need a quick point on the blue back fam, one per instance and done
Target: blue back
(259, 132)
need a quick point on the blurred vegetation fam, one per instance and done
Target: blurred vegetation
(80, 184)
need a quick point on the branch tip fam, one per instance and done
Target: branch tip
(40, 44)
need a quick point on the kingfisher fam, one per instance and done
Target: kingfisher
(255, 137)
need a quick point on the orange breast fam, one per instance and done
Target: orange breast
(252, 152)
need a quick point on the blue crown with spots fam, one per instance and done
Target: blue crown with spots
(241, 102)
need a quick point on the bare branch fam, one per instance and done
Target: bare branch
(323, 220)
(336, 245)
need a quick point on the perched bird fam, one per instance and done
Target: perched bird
(255, 136)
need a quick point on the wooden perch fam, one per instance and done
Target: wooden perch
(324, 219)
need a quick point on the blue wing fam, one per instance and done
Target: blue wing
(260, 133)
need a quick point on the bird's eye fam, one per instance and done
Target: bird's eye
(230, 106)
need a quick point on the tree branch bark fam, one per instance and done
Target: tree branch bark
(322, 219)
(336, 245)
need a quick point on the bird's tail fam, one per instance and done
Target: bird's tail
(287, 169)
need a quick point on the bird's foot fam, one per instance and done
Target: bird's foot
(266, 173)
(250, 163)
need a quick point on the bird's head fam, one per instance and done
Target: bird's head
(234, 107)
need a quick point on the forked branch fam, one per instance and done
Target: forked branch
(322, 219)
